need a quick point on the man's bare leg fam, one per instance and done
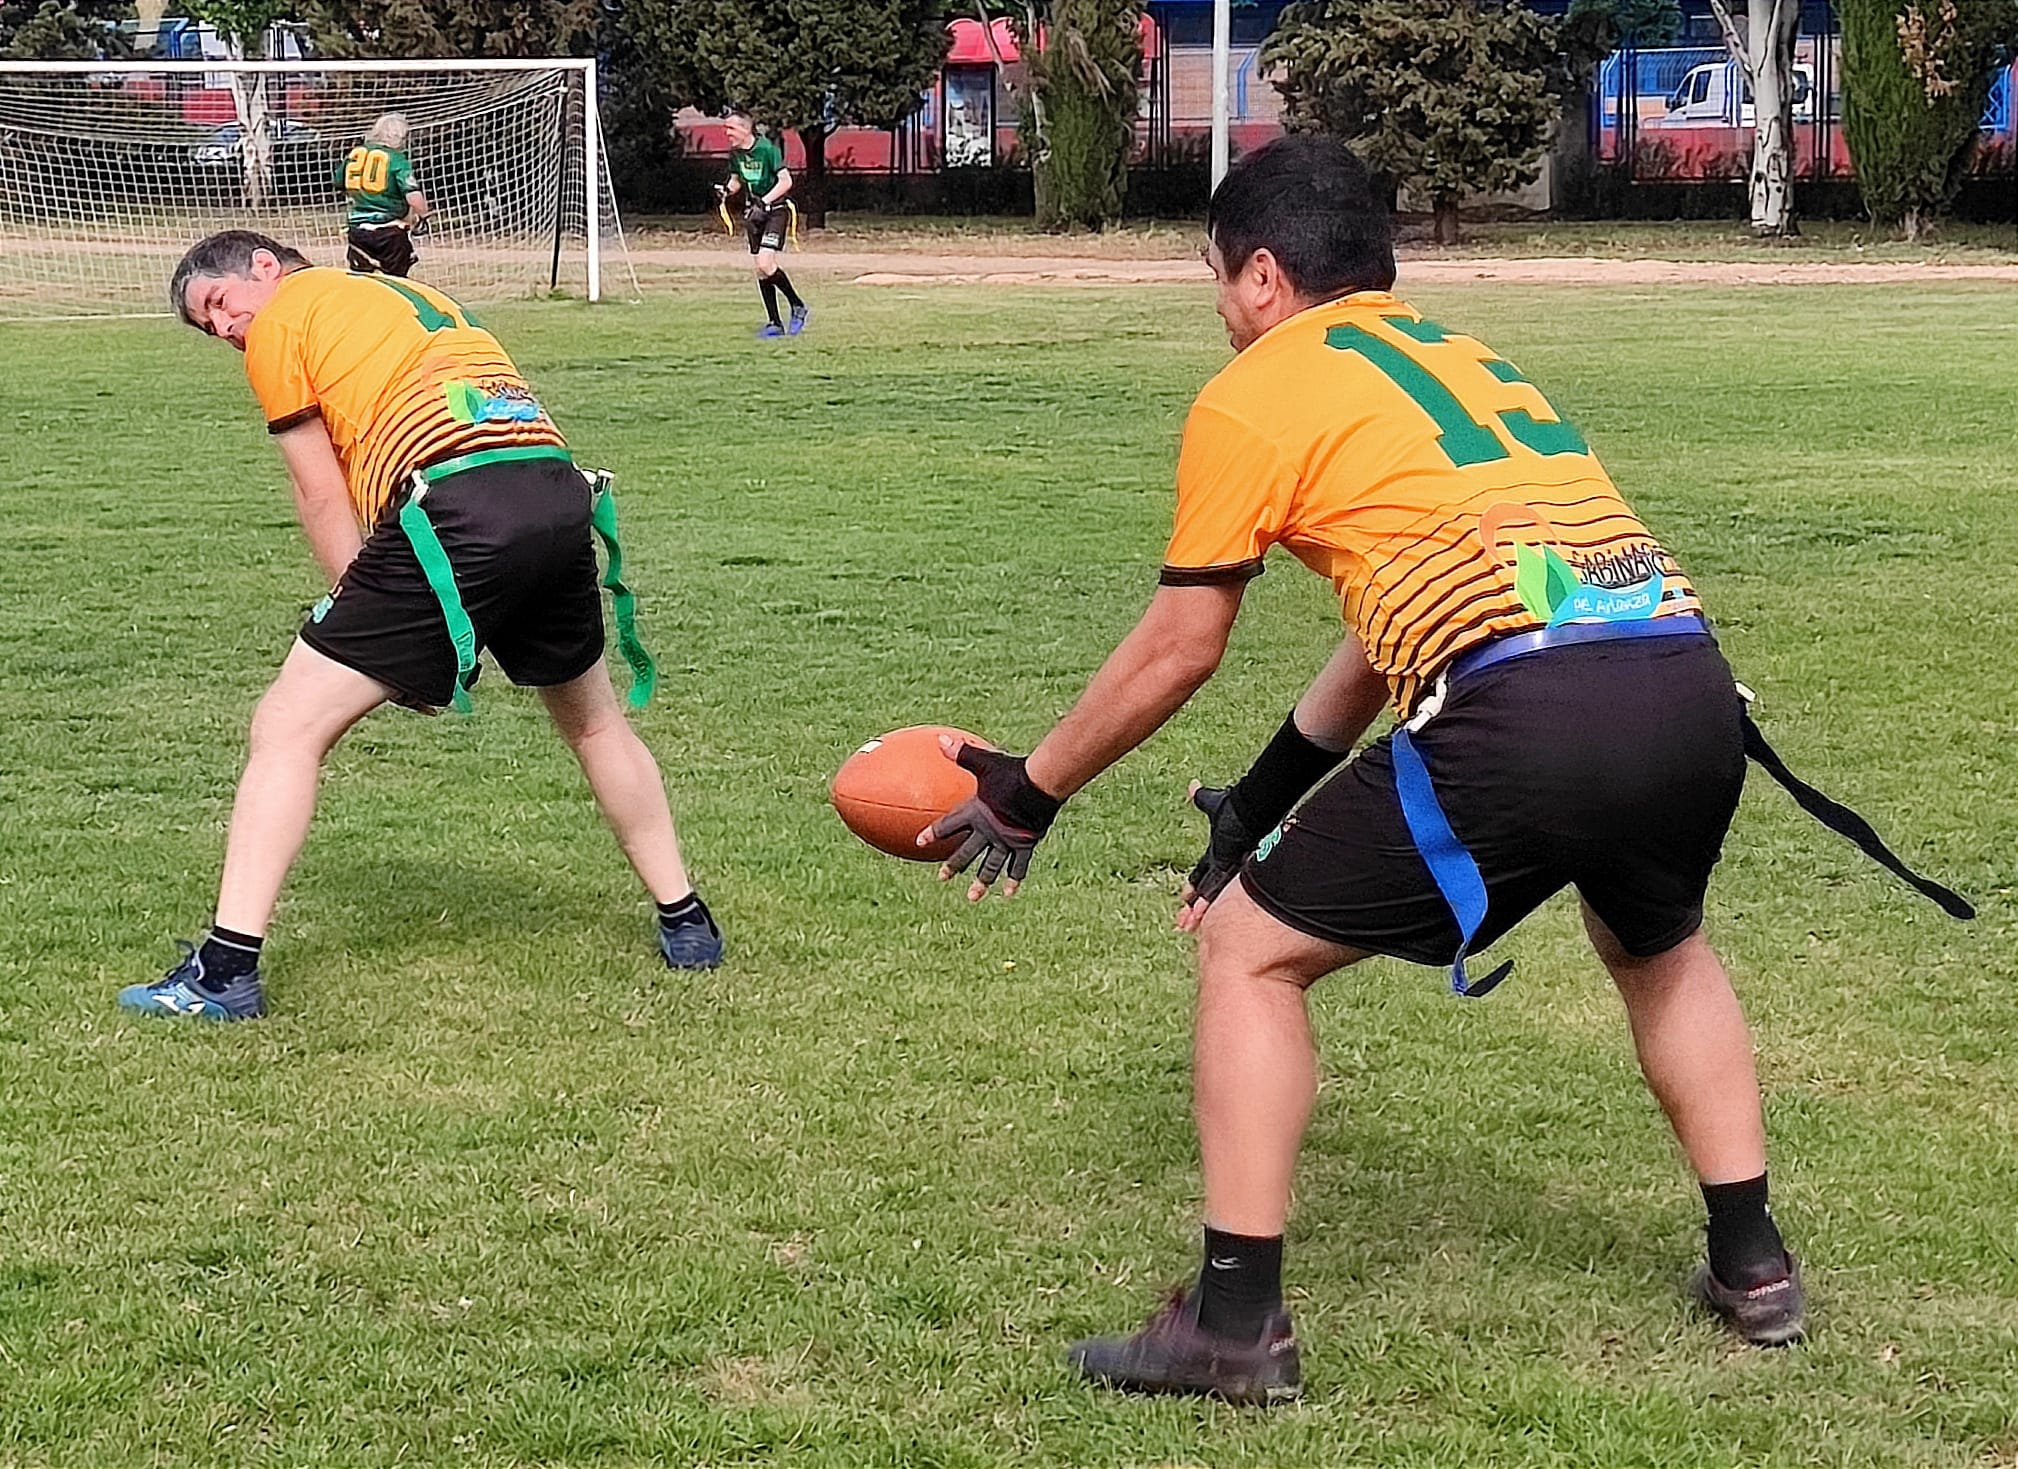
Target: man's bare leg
(1254, 1066)
(1694, 1050)
(624, 777)
(1254, 1072)
(308, 708)
(1696, 1053)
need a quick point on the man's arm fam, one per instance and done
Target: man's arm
(781, 188)
(416, 208)
(1148, 677)
(321, 496)
(1342, 700)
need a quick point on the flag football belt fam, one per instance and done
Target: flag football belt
(434, 565)
(791, 219)
(1457, 876)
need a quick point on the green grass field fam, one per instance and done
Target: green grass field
(493, 1188)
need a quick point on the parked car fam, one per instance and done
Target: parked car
(222, 147)
(1718, 94)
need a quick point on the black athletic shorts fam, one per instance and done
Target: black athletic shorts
(766, 230)
(1611, 766)
(385, 248)
(517, 536)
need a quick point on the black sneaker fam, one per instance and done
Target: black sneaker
(1172, 1354)
(1774, 1314)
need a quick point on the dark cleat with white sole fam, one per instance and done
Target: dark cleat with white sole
(1771, 1314)
(1173, 1354)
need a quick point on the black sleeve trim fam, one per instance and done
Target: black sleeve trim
(293, 420)
(1231, 574)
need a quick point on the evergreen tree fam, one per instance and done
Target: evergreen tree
(476, 28)
(810, 67)
(1915, 79)
(1447, 97)
(1614, 23)
(1083, 71)
(62, 30)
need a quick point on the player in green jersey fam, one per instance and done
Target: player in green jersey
(757, 171)
(386, 203)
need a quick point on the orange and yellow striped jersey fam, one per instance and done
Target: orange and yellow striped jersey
(1431, 482)
(399, 373)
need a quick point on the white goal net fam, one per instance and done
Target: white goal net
(109, 171)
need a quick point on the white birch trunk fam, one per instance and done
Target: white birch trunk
(1769, 63)
(255, 142)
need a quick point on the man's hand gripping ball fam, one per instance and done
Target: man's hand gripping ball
(1003, 823)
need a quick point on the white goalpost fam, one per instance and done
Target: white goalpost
(110, 170)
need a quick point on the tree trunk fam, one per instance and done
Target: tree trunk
(812, 199)
(255, 140)
(1444, 218)
(1769, 65)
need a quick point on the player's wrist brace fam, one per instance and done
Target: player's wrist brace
(1007, 790)
(1290, 764)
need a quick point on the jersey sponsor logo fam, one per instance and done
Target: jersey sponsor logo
(1620, 583)
(497, 401)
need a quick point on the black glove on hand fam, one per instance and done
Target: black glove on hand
(1227, 843)
(1004, 821)
(756, 208)
(1244, 812)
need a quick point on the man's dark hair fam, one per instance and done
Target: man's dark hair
(1310, 203)
(743, 112)
(229, 252)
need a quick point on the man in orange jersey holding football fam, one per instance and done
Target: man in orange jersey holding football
(1565, 718)
(443, 505)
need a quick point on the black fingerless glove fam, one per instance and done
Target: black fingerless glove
(1242, 814)
(1006, 786)
(1003, 822)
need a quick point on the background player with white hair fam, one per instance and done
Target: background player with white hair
(386, 202)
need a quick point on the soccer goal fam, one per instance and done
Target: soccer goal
(110, 170)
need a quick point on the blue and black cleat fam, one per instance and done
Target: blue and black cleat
(182, 993)
(691, 945)
(769, 330)
(797, 324)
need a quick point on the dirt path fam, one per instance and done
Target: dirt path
(905, 268)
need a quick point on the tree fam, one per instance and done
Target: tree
(810, 66)
(1614, 23)
(243, 25)
(1915, 79)
(477, 28)
(1764, 50)
(62, 30)
(1084, 64)
(1449, 97)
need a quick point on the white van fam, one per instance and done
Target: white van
(1717, 94)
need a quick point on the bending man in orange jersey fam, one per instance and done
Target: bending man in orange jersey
(1556, 679)
(443, 505)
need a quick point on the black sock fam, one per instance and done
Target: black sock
(1239, 1285)
(769, 286)
(227, 955)
(689, 909)
(784, 283)
(1745, 1245)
